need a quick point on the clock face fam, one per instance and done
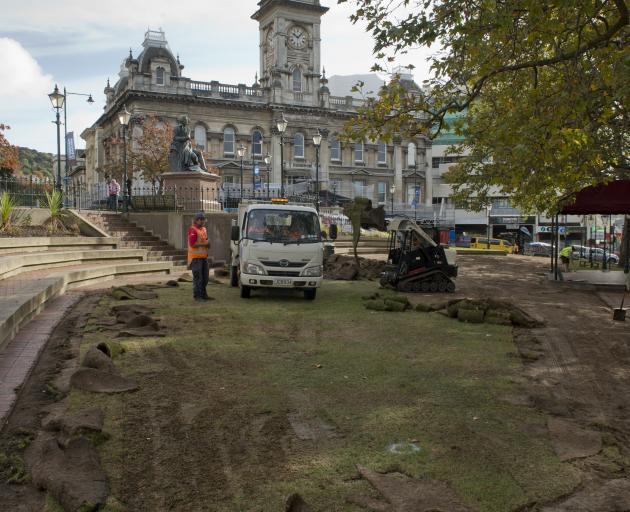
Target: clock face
(297, 37)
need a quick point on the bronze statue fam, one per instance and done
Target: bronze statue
(182, 155)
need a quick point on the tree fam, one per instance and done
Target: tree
(149, 152)
(9, 155)
(540, 86)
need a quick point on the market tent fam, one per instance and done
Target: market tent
(605, 199)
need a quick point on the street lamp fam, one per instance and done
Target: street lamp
(57, 99)
(317, 140)
(240, 151)
(488, 210)
(123, 118)
(65, 125)
(268, 161)
(392, 191)
(282, 127)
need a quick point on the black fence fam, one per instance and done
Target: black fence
(31, 192)
(27, 191)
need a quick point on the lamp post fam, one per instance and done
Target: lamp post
(268, 161)
(317, 140)
(57, 99)
(282, 127)
(488, 210)
(123, 118)
(65, 126)
(416, 196)
(240, 151)
(392, 191)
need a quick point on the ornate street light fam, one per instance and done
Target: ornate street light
(240, 151)
(317, 140)
(268, 162)
(392, 191)
(57, 99)
(282, 124)
(124, 117)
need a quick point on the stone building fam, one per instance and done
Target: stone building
(292, 84)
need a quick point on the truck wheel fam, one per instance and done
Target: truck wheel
(246, 292)
(310, 294)
(233, 276)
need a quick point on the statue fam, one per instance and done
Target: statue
(182, 155)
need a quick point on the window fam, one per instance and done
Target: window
(382, 153)
(200, 136)
(159, 76)
(382, 191)
(228, 180)
(298, 146)
(358, 151)
(297, 80)
(228, 141)
(359, 188)
(436, 161)
(411, 155)
(257, 143)
(335, 150)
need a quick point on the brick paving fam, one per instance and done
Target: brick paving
(19, 356)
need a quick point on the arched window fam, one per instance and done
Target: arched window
(298, 146)
(411, 155)
(358, 151)
(159, 76)
(297, 80)
(257, 143)
(228, 141)
(200, 136)
(382, 153)
(335, 150)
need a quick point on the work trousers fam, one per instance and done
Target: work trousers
(201, 274)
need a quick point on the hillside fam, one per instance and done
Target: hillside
(35, 163)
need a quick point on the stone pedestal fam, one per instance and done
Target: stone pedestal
(193, 191)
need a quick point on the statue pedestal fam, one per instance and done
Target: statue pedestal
(193, 191)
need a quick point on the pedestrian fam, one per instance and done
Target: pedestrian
(565, 257)
(198, 246)
(113, 189)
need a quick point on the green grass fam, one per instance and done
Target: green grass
(378, 378)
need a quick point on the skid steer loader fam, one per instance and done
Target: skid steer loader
(415, 263)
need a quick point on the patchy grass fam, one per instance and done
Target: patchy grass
(224, 395)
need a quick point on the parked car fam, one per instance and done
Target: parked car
(494, 244)
(538, 249)
(583, 252)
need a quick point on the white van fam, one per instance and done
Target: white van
(277, 245)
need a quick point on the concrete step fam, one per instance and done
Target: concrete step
(139, 238)
(168, 252)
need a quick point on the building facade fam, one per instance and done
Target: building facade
(292, 84)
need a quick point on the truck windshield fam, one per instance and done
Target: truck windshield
(287, 226)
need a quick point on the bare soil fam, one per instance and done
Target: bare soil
(576, 370)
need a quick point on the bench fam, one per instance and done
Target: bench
(155, 202)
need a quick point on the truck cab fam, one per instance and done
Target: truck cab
(276, 245)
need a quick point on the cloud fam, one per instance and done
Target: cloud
(21, 74)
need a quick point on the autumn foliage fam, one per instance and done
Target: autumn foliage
(9, 155)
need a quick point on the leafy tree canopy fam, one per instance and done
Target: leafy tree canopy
(9, 155)
(542, 87)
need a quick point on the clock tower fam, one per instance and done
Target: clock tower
(290, 45)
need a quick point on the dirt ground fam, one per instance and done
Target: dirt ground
(576, 370)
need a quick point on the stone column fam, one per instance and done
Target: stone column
(398, 170)
(428, 177)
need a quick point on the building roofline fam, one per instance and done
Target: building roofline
(265, 5)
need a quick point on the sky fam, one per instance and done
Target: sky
(78, 45)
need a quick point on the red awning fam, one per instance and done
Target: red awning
(606, 199)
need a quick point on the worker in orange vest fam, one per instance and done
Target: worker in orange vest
(198, 246)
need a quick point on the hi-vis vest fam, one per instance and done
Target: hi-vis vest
(198, 252)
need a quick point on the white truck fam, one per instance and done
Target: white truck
(277, 244)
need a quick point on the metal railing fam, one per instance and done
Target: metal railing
(27, 191)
